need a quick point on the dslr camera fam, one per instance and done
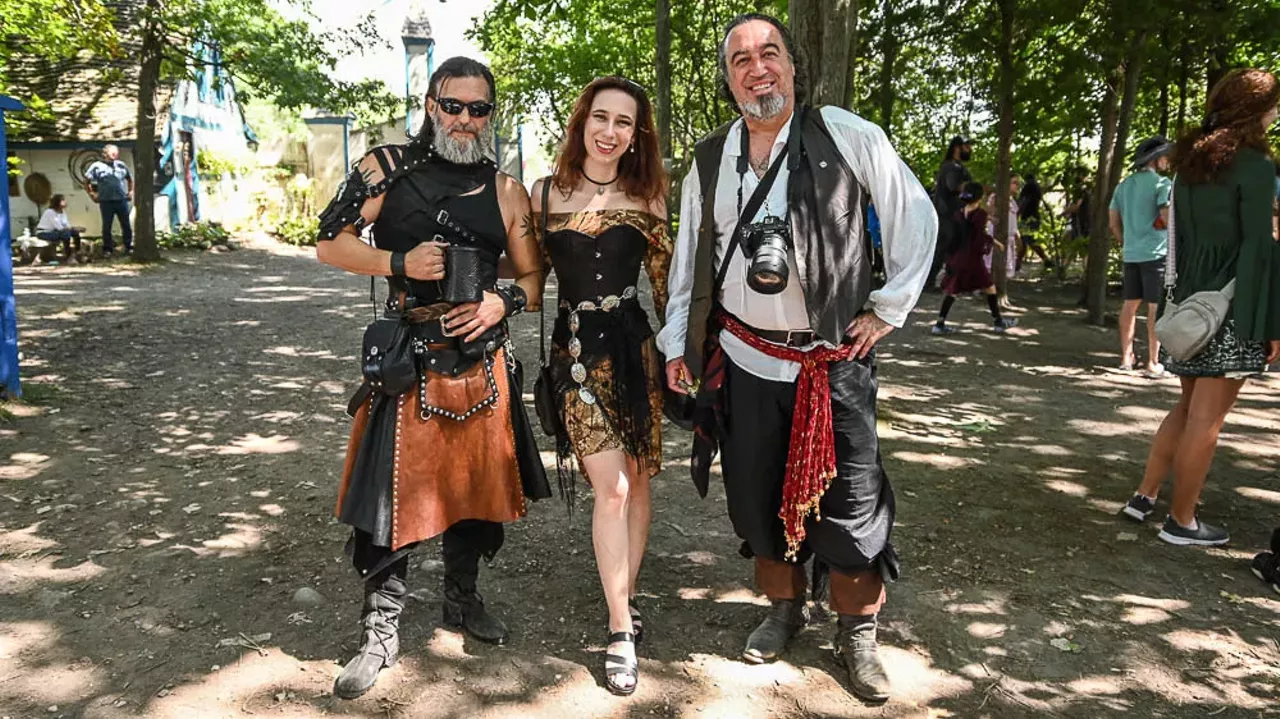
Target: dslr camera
(766, 244)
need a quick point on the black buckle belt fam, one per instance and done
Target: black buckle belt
(786, 338)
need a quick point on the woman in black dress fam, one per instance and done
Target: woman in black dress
(606, 216)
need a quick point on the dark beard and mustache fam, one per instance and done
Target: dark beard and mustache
(462, 151)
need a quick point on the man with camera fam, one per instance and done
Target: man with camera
(440, 444)
(772, 325)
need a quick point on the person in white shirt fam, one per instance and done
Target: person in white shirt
(1011, 247)
(773, 328)
(55, 227)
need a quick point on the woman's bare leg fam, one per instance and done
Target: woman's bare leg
(1165, 446)
(1212, 401)
(610, 480)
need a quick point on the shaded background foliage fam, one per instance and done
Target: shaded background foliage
(1061, 88)
(544, 52)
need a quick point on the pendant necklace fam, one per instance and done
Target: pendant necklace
(601, 186)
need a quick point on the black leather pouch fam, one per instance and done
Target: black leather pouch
(387, 359)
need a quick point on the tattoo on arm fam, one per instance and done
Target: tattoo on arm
(528, 228)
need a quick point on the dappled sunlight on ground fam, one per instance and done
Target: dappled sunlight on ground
(171, 485)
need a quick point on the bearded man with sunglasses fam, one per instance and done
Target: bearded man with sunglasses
(440, 444)
(772, 324)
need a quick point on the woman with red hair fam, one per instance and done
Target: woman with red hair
(605, 214)
(1223, 198)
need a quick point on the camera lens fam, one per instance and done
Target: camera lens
(769, 272)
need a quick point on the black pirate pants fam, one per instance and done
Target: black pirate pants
(852, 536)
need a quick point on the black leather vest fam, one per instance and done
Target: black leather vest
(825, 206)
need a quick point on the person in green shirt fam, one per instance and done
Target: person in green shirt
(1223, 203)
(1139, 216)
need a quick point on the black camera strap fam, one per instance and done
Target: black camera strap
(747, 214)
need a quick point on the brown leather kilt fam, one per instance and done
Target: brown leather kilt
(446, 470)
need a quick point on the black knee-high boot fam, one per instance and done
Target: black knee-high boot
(384, 595)
(463, 544)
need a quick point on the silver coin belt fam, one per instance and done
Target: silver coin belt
(605, 304)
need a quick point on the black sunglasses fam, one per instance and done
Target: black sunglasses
(454, 106)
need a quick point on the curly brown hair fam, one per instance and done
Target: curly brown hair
(640, 173)
(1232, 120)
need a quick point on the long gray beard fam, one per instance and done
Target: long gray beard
(764, 108)
(464, 152)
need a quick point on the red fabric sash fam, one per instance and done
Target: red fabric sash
(811, 457)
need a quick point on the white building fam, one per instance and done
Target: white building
(91, 103)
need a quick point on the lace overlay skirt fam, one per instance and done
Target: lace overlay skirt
(1227, 355)
(593, 428)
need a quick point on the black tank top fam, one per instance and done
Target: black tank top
(410, 215)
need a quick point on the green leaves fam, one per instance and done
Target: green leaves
(55, 29)
(270, 56)
(544, 52)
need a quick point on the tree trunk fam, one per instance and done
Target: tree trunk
(806, 30)
(1219, 46)
(890, 43)
(663, 73)
(145, 248)
(1100, 242)
(1097, 235)
(832, 87)
(1183, 80)
(1004, 233)
(851, 79)
(822, 30)
(1164, 86)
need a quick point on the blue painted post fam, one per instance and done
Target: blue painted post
(408, 95)
(8, 305)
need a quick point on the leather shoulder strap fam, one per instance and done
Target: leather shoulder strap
(706, 157)
(542, 306)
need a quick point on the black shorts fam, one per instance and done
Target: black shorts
(1144, 281)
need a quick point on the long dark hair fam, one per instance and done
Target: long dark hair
(640, 173)
(55, 201)
(1233, 117)
(798, 61)
(956, 141)
(451, 68)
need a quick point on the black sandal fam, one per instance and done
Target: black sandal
(622, 665)
(637, 622)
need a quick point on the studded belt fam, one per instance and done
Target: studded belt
(577, 370)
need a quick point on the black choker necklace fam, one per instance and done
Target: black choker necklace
(601, 185)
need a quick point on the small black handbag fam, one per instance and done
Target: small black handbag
(544, 394)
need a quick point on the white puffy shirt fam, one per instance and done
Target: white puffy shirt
(908, 222)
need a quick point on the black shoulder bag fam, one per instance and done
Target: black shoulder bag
(544, 388)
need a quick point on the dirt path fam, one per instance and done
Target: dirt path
(169, 489)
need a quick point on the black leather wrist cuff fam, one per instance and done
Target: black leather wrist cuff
(514, 298)
(397, 264)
